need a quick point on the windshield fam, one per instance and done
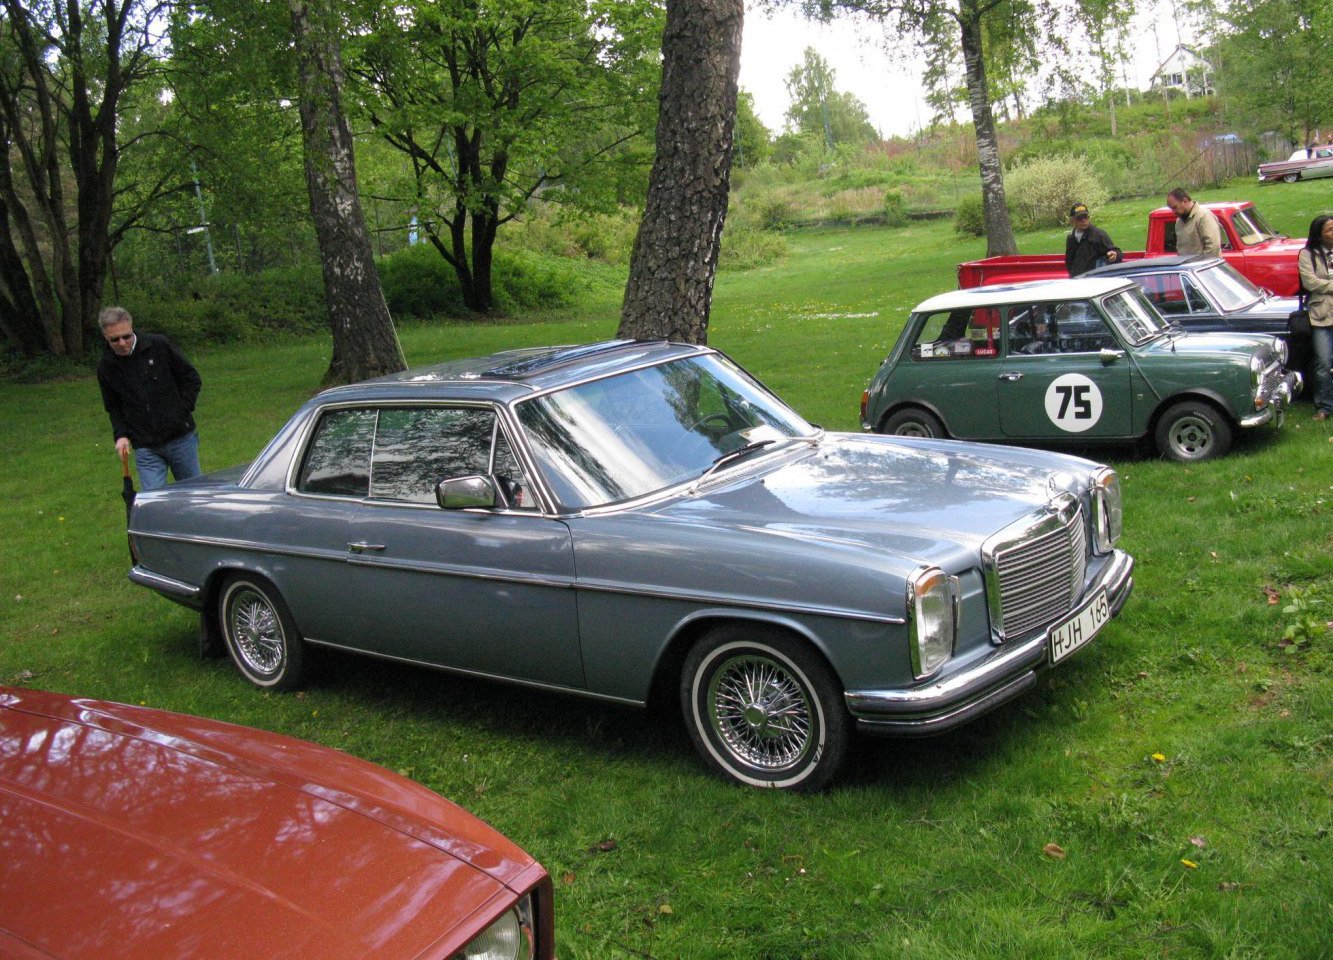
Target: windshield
(1136, 318)
(1252, 228)
(1229, 288)
(641, 431)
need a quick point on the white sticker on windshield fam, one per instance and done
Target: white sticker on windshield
(1073, 403)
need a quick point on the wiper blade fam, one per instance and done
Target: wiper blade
(739, 453)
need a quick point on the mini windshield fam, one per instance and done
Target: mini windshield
(1136, 318)
(641, 431)
(1229, 289)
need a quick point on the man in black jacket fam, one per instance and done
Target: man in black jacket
(1087, 246)
(149, 389)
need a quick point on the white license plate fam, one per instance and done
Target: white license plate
(1080, 628)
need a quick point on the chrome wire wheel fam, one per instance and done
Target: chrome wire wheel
(763, 707)
(254, 624)
(261, 637)
(761, 712)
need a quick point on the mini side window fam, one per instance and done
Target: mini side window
(962, 334)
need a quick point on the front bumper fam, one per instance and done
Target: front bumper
(1288, 389)
(1001, 676)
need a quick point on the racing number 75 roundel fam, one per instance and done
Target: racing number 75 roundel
(1073, 402)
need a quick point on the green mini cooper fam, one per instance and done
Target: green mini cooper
(1084, 359)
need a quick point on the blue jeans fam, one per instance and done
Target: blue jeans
(181, 455)
(1323, 360)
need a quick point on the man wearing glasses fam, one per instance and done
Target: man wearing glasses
(149, 389)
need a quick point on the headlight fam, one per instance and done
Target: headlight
(1282, 351)
(1256, 374)
(509, 938)
(932, 606)
(1108, 515)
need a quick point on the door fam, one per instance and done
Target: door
(1055, 382)
(487, 590)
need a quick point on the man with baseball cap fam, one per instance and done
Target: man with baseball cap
(1087, 246)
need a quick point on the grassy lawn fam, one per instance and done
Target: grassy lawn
(1164, 794)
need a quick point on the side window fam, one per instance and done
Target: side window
(1069, 327)
(958, 335)
(417, 447)
(1169, 237)
(1194, 298)
(510, 474)
(337, 462)
(1166, 292)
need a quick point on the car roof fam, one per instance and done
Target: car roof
(1174, 262)
(510, 374)
(1035, 291)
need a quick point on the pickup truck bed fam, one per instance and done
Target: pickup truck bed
(1249, 244)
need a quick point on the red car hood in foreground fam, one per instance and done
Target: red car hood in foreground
(129, 832)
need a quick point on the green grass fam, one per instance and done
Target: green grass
(925, 849)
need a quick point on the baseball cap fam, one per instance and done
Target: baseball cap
(1078, 210)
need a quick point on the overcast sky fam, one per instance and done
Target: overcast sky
(892, 93)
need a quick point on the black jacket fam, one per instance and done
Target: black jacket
(150, 394)
(1082, 255)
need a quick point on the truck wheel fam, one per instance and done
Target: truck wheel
(1191, 431)
(913, 422)
(1291, 177)
(763, 709)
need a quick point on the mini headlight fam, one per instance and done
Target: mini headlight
(508, 938)
(1282, 352)
(931, 604)
(1108, 515)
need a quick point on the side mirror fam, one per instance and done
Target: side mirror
(1109, 356)
(465, 493)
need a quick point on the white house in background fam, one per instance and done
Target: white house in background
(1185, 72)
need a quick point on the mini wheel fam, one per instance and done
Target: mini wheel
(1193, 430)
(913, 422)
(259, 632)
(763, 709)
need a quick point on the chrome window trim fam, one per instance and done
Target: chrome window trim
(500, 411)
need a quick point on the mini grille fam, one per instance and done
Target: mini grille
(1272, 376)
(1040, 578)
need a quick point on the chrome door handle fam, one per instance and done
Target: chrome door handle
(363, 547)
(1011, 375)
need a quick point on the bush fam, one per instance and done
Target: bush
(1041, 191)
(969, 218)
(895, 208)
(236, 307)
(774, 212)
(418, 283)
(744, 249)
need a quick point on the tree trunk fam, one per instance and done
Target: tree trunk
(365, 343)
(670, 289)
(999, 231)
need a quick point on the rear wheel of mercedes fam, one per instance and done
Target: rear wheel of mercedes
(260, 633)
(764, 709)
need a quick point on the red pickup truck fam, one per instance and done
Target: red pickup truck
(1249, 244)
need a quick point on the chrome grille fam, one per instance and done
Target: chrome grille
(1269, 380)
(1037, 568)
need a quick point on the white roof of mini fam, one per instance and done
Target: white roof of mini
(1035, 291)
